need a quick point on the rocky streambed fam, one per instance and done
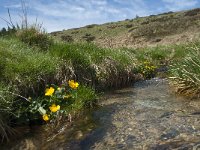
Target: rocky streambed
(147, 116)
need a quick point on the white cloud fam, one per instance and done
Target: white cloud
(176, 5)
(64, 14)
(99, 2)
(13, 6)
(60, 14)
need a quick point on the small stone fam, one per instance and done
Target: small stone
(89, 129)
(170, 134)
(130, 139)
(166, 114)
(120, 146)
(78, 135)
(130, 129)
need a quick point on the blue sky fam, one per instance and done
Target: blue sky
(57, 15)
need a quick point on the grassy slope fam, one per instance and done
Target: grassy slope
(163, 29)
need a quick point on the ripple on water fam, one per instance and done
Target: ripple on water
(150, 117)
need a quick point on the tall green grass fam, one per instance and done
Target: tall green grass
(162, 54)
(6, 111)
(185, 73)
(95, 65)
(23, 66)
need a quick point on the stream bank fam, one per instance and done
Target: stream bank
(146, 116)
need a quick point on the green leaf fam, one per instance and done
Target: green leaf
(42, 110)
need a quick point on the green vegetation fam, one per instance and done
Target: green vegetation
(34, 36)
(180, 63)
(185, 73)
(6, 111)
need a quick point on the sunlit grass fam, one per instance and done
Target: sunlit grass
(22, 66)
(185, 73)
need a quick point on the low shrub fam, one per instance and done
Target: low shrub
(147, 69)
(192, 12)
(67, 38)
(91, 26)
(129, 25)
(34, 36)
(61, 101)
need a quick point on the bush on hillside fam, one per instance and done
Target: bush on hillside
(67, 38)
(192, 12)
(35, 37)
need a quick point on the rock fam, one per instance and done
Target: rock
(172, 133)
(130, 139)
(26, 144)
(78, 135)
(166, 114)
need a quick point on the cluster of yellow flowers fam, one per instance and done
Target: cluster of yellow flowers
(72, 84)
(147, 69)
(150, 67)
(53, 108)
(45, 117)
(50, 91)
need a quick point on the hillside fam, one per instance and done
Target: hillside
(162, 29)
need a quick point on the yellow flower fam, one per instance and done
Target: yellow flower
(45, 117)
(49, 91)
(54, 108)
(73, 84)
(58, 88)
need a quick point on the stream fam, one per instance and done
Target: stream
(147, 116)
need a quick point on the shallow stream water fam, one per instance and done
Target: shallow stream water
(147, 116)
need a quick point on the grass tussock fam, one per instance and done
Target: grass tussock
(35, 36)
(185, 73)
(23, 66)
(94, 65)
